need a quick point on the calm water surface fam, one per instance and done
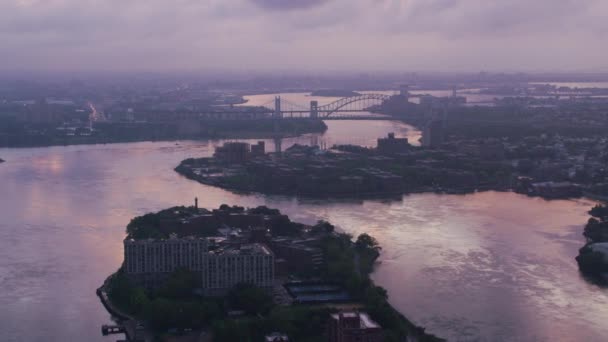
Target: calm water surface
(484, 267)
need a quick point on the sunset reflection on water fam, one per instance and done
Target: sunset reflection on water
(488, 266)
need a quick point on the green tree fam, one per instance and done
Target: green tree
(181, 284)
(323, 226)
(231, 330)
(138, 299)
(600, 211)
(121, 290)
(365, 241)
(249, 298)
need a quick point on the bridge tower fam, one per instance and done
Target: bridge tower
(277, 107)
(278, 142)
(404, 91)
(314, 109)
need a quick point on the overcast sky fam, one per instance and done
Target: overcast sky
(341, 35)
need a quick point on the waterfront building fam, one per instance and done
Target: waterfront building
(149, 262)
(258, 149)
(151, 256)
(390, 144)
(354, 327)
(232, 265)
(233, 152)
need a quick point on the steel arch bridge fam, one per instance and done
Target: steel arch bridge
(357, 103)
(347, 108)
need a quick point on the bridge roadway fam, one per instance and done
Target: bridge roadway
(292, 115)
(346, 117)
(342, 109)
(337, 115)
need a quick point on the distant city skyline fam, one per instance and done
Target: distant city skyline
(303, 35)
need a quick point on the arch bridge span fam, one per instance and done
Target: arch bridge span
(357, 103)
(351, 107)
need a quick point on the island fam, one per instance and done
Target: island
(237, 274)
(593, 257)
(334, 93)
(541, 152)
(393, 168)
(1, 160)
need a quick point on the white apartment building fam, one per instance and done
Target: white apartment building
(253, 264)
(164, 255)
(149, 262)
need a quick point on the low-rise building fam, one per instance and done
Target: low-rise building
(259, 149)
(390, 144)
(354, 327)
(233, 152)
(300, 257)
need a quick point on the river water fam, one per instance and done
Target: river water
(482, 267)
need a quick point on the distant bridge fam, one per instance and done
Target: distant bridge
(359, 107)
(342, 109)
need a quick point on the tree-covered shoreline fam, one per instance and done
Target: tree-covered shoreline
(593, 257)
(179, 306)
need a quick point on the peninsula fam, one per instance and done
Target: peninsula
(237, 274)
(394, 168)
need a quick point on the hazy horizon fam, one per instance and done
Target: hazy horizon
(303, 35)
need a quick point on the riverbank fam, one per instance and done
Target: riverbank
(431, 243)
(109, 133)
(593, 257)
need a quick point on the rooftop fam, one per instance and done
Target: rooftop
(365, 322)
(255, 248)
(172, 238)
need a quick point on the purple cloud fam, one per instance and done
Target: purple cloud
(307, 34)
(284, 5)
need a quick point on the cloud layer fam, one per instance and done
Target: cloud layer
(303, 34)
(289, 4)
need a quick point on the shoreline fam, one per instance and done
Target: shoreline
(219, 129)
(362, 257)
(416, 332)
(122, 319)
(397, 195)
(263, 136)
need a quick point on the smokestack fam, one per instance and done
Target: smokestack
(196, 203)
